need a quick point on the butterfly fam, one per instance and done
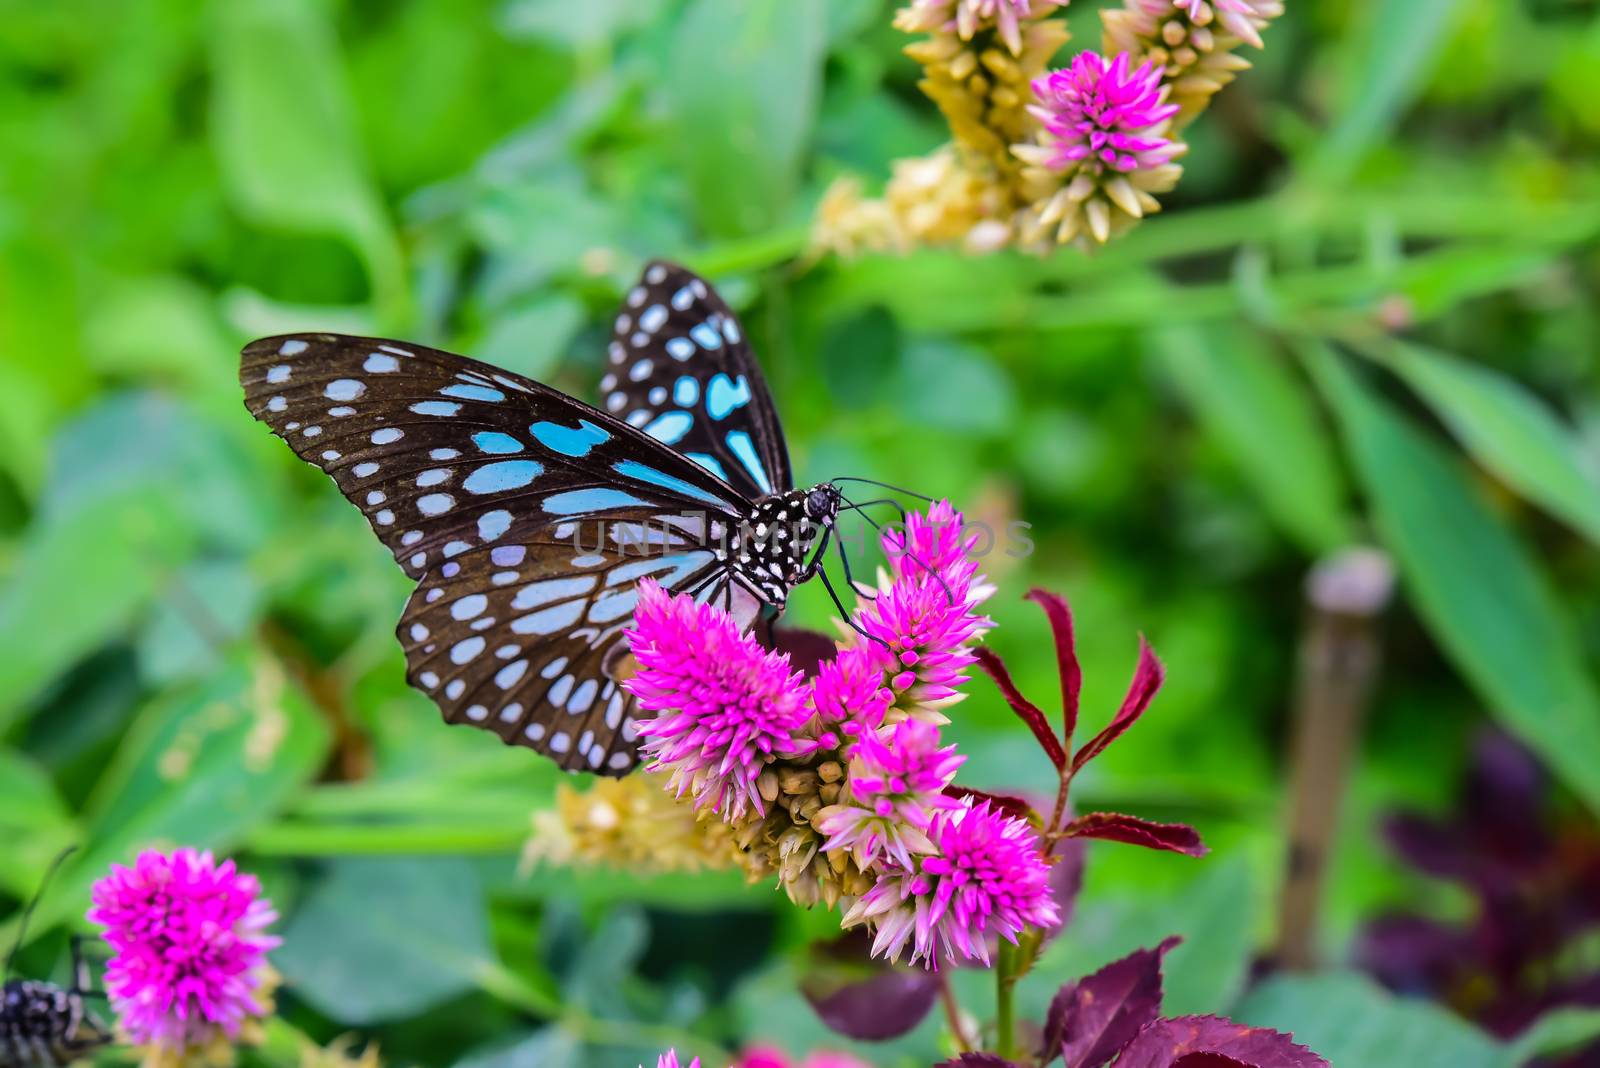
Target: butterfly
(43, 1025)
(528, 517)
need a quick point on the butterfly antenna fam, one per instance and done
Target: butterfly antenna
(948, 592)
(27, 912)
(885, 485)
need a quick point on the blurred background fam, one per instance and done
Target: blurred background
(1366, 318)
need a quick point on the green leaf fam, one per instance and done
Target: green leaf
(1260, 413)
(743, 82)
(34, 824)
(1557, 1031)
(1509, 430)
(199, 768)
(381, 939)
(1385, 65)
(1474, 585)
(1350, 1021)
(285, 135)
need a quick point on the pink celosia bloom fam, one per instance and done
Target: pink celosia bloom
(1238, 17)
(987, 878)
(1100, 113)
(933, 543)
(929, 632)
(190, 943)
(669, 1059)
(895, 781)
(849, 694)
(769, 1057)
(723, 704)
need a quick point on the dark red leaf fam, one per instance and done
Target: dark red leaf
(1147, 678)
(862, 998)
(1025, 709)
(1212, 1042)
(1015, 807)
(977, 1060)
(1060, 616)
(1093, 1018)
(1116, 827)
(807, 649)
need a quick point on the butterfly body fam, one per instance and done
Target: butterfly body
(43, 1025)
(528, 518)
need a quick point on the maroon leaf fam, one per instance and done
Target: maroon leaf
(1025, 709)
(1212, 1042)
(1093, 1018)
(807, 649)
(1116, 827)
(977, 1060)
(1015, 807)
(1060, 616)
(1147, 678)
(862, 998)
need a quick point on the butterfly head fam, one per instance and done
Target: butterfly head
(822, 503)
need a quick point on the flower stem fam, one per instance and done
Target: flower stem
(1005, 1020)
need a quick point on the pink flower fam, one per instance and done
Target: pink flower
(987, 878)
(723, 704)
(850, 694)
(895, 782)
(669, 1059)
(1098, 113)
(190, 943)
(928, 628)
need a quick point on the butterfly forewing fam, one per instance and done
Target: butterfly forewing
(526, 639)
(444, 454)
(680, 368)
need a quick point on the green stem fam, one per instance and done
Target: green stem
(1005, 1018)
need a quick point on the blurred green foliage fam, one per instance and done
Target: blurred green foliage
(1367, 316)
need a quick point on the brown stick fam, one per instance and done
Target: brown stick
(1338, 664)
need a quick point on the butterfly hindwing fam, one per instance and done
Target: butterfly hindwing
(526, 639)
(680, 368)
(445, 455)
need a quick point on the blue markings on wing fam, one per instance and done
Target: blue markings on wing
(670, 427)
(502, 476)
(723, 395)
(578, 502)
(496, 443)
(443, 409)
(670, 570)
(745, 449)
(645, 473)
(685, 391)
(709, 462)
(493, 524)
(705, 335)
(569, 441)
(471, 392)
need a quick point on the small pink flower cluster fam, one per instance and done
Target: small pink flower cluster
(189, 947)
(1103, 113)
(936, 873)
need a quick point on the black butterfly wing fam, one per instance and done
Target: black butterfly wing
(681, 369)
(526, 639)
(454, 461)
(444, 454)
